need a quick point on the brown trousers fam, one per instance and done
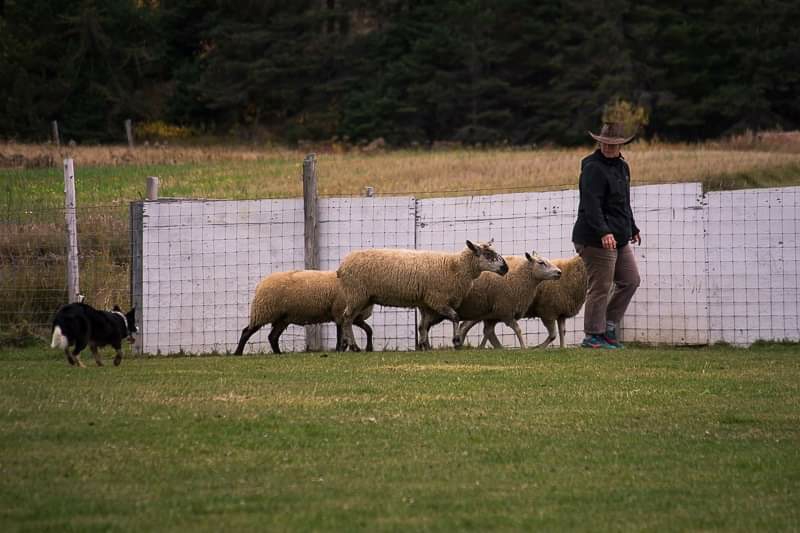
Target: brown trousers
(607, 269)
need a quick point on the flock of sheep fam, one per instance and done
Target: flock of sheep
(467, 287)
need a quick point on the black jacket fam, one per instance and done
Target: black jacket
(605, 201)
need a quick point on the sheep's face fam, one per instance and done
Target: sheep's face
(488, 259)
(543, 269)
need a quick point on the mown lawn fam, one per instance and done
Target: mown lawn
(639, 439)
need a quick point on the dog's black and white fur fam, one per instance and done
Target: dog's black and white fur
(82, 325)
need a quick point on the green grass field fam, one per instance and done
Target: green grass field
(632, 440)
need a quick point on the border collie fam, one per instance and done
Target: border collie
(82, 325)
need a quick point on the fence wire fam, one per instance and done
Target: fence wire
(711, 271)
(716, 266)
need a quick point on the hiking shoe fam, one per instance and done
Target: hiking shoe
(611, 335)
(597, 341)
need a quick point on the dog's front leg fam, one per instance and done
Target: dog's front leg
(70, 360)
(118, 358)
(96, 354)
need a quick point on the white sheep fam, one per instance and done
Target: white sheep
(555, 300)
(437, 281)
(299, 297)
(507, 298)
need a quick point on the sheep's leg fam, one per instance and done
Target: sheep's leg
(278, 327)
(360, 322)
(551, 333)
(427, 320)
(450, 313)
(492, 336)
(438, 304)
(246, 334)
(562, 329)
(342, 344)
(352, 345)
(433, 319)
(488, 325)
(464, 328)
(513, 324)
(348, 337)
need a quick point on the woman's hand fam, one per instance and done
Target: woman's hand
(609, 242)
(637, 239)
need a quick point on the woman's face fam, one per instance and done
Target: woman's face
(609, 150)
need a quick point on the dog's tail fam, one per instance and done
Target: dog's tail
(59, 340)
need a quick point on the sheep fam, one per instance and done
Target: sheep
(437, 281)
(299, 297)
(555, 301)
(505, 299)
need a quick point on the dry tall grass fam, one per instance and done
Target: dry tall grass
(241, 171)
(497, 171)
(37, 155)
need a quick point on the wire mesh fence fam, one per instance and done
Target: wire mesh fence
(33, 280)
(715, 266)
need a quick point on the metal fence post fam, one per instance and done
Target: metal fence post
(311, 238)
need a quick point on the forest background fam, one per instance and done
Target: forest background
(409, 72)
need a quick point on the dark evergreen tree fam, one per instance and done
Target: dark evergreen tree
(409, 71)
(83, 63)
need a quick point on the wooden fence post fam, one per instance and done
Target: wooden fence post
(73, 285)
(56, 137)
(129, 133)
(311, 238)
(152, 188)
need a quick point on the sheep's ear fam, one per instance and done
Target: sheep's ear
(473, 248)
(528, 256)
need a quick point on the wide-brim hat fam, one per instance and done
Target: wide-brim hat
(612, 133)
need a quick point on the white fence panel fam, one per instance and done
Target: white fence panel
(201, 262)
(715, 267)
(203, 259)
(754, 265)
(671, 305)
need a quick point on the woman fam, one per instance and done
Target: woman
(601, 235)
